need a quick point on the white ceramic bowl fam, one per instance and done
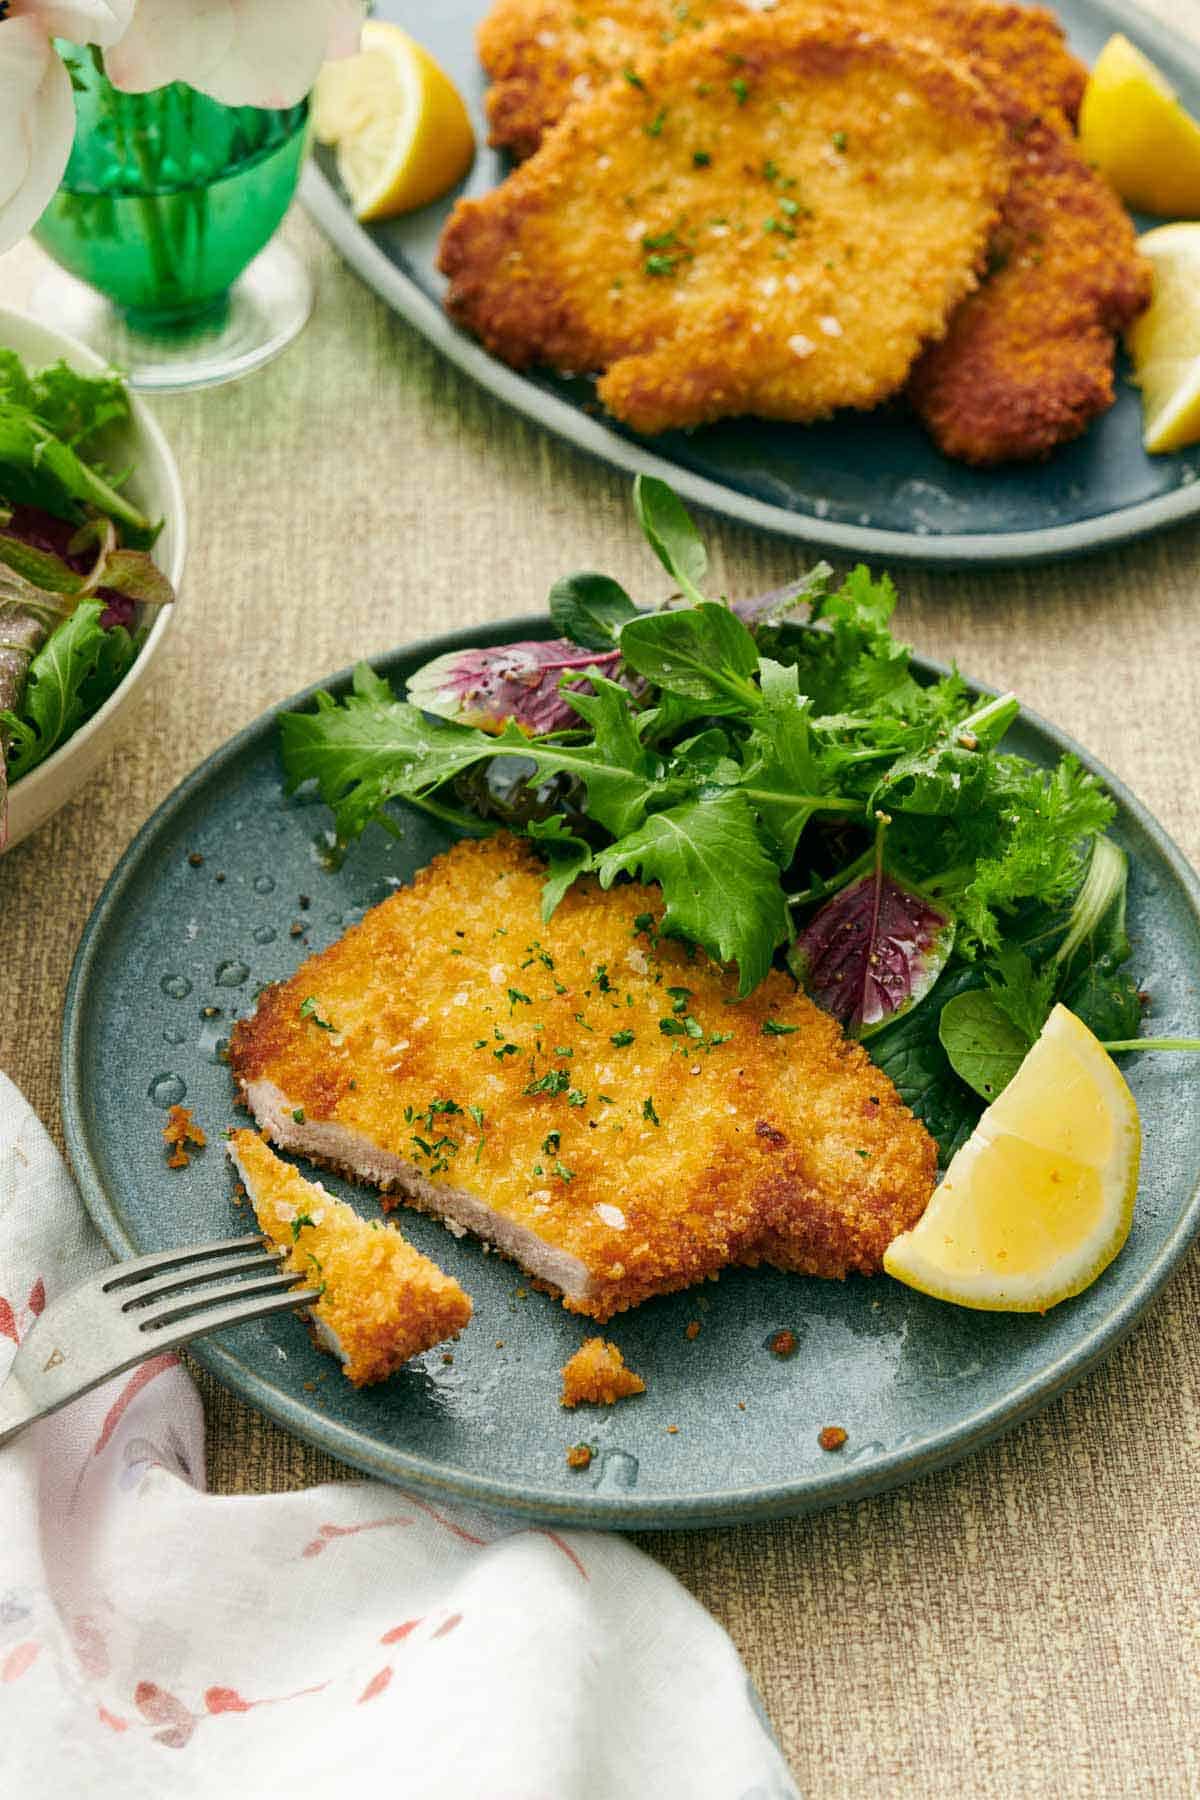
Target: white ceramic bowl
(154, 485)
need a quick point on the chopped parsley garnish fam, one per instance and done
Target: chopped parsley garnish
(563, 1173)
(551, 1142)
(701, 158)
(576, 1097)
(298, 1224)
(679, 998)
(839, 140)
(563, 1050)
(648, 1111)
(654, 128)
(308, 1010)
(620, 1039)
(633, 78)
(298, 1114)
(772, 1028)
(659, 264)
(554, 1081)
(517, 998)
(741, 88)
(600, 978)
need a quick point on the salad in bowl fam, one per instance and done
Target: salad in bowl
(91, 553)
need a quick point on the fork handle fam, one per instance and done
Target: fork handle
(16, 1409)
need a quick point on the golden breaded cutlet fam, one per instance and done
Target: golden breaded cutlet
(382, 1301)
(543, 55)
(770, 221)
(1027, 362)
(586, 1096)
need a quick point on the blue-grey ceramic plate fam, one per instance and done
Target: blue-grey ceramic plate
(873, 484)
(174, 951)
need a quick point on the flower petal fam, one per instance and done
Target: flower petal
(241, 52)
(37, 126)
(82, 21)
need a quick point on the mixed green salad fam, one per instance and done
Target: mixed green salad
(796, 790)
(75, 569)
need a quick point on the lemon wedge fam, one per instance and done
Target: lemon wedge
(399, 124)
(1165, 342)
(1132, 127)
(1040, 1199)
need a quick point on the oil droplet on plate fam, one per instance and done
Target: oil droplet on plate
(212, 1042)
(618, 1472)
(264, 884)
(264, 934)
(177, 987)
(231, 974)
(167, 1090)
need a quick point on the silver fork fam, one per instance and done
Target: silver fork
(138, 1309)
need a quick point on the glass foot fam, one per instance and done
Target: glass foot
(265, 309)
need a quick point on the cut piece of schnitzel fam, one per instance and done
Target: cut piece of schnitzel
(587, 1096)
(1028, 361)
(543, 55)
(766, 221)
(597, 1376)
(382, 1302)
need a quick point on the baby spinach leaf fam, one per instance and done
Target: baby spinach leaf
(702, 652)
(984, 1047)
(910, 1052)
(720, 887)
(590, 609)
(671, 534)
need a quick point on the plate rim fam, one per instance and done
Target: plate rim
(949, 550)
(589, 1509)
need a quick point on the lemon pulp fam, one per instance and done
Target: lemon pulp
(1132, 127)
(399, 125)
(1040, 1199)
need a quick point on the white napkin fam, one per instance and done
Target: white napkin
(156, 1641)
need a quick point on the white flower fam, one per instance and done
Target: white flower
(37, 117)
(241, 52)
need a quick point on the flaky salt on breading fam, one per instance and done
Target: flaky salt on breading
(544, 55)
(382, 1302)
(766, 220)
(597, 1376)
(591, 1098)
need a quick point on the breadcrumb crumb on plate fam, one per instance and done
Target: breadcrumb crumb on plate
(597, 1375)
(382, 1301)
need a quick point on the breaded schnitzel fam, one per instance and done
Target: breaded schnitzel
(542, 55)
(382, 1302)
(585, 1095)
(765, 221)
(1028, 361)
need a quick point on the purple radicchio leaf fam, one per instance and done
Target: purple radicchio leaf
(489, 686)
(873, 951)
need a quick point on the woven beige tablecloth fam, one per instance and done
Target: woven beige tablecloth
(1027, 1623)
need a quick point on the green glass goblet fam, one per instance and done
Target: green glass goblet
(162, 230)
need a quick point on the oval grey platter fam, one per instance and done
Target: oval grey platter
(866, 484)
(916, 1384)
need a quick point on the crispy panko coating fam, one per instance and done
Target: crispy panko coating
(383, 1301)
(517, 1078)
(597, 1376)
(1028, 361)
(770, 221)
(542, 55)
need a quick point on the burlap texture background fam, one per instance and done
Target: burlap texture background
(1025, 1624)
